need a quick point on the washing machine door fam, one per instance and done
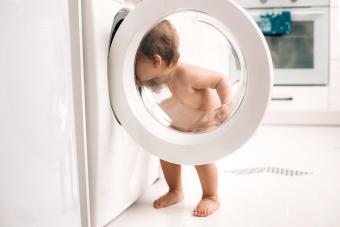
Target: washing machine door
(213, 36)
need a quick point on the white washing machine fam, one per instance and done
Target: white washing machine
(122, 118)
(119, 169)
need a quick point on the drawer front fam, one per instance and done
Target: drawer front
(299, 99)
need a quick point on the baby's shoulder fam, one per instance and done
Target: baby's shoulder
(187, 71)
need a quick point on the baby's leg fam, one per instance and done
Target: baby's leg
(172, 174)
(209, 202)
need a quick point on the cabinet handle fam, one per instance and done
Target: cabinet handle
(282, 99)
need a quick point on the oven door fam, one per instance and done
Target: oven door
(215, 34)
(301, 57)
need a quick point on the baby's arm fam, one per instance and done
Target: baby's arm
(223, 89)
(200, 78)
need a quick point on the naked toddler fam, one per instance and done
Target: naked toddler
(200, 101)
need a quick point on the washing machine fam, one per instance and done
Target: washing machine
(127, 130)
(119, 168)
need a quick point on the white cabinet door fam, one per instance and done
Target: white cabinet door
(38, 158)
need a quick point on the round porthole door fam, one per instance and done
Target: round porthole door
(173, 108)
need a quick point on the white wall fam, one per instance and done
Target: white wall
(335, 56)
(38, 167)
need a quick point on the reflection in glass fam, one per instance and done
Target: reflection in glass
(189, 73)
(295, 50)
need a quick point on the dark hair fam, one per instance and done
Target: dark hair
(162, 40)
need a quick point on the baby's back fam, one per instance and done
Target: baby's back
(191, 108)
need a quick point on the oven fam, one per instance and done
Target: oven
(300, 57)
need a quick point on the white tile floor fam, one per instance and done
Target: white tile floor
(309, 198)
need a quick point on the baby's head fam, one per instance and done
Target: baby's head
(157, 52)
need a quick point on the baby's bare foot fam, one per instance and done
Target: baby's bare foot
(168, 199)
(206, 206)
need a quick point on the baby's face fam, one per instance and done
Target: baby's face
(145, 69)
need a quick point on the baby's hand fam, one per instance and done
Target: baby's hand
(222, 113)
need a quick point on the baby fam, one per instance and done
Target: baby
(200, 101)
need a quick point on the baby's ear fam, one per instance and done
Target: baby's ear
(157, 60)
